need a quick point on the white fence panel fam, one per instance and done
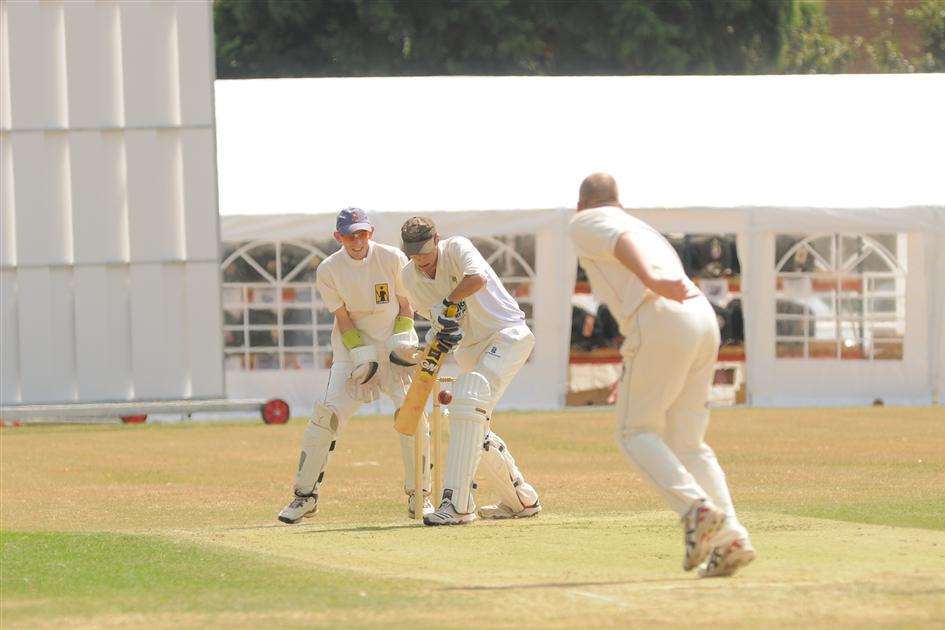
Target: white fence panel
(7, 205)
(41, 195)
(98, 197)
(9, 331)
(153, 195)
(196, 66)
(204, 328)
(157, 322)
(34, 318)
(36, 65)
(199, 194)
(149, 62)
(103, 352)
(4, 68)
(93, 63)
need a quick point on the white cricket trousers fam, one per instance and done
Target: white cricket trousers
(662, 404)
(318, 442)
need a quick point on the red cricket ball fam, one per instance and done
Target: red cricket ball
(445, 397)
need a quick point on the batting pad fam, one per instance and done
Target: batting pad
(406, 452)
(318, 442)
(498, 468)
(468, 427)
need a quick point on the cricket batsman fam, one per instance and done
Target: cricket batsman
(361, 284)
(670, 349)
(490, 341)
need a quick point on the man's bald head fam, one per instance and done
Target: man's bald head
(598, 189)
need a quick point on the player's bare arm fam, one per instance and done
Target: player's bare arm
(343, 319)
(466, 287)
(406, 309)
(630, 257)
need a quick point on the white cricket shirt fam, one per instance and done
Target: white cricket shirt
(368, 288)
(594, 234)
(488, 310)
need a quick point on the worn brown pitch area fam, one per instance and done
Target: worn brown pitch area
(822, 462)
(846, 508)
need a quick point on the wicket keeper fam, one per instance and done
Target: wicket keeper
(361, 284)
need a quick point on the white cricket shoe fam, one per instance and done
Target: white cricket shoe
(700, 523)
(728, 558)
(446, 514)
(427, 505)
(299, 508)
(501, 511)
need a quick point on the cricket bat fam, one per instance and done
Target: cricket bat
(408, 417)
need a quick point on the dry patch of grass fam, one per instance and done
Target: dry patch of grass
(605, 552)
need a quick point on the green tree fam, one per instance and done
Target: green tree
(930, 16)
(277, 38)
(809, 47)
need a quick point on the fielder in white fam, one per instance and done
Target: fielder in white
(672, 340)
(361, 284)
(491, 343)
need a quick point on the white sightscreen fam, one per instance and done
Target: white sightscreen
(109, 254)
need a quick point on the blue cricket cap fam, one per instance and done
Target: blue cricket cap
(351, 220)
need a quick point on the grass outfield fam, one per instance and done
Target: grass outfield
(174, 526)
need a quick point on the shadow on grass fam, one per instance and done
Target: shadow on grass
(566, 584)
(363, 528)
(323, 530)
(249, 528)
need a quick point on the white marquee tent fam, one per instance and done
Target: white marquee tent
(758, 157)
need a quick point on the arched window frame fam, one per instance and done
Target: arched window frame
(836, 296)
(501, 261)
(511, 266)
(281, 289)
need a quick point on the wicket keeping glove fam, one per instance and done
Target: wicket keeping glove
(402, 344)
(363, 382)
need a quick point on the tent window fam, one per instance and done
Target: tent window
(513, 259)
(840, 296)
(273, 318)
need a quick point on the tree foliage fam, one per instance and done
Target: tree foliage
(281, 38)
(930, 16)
(318, 38)
(810, 48)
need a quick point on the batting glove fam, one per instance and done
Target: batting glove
(447, 336)
(448, 313)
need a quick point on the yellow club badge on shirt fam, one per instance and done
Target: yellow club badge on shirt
(381, 293)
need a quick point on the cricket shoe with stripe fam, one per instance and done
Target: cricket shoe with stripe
(501, 511)
(298, 508)
(728, 558)
(446, 514)
(700, 523)
(427, 505)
